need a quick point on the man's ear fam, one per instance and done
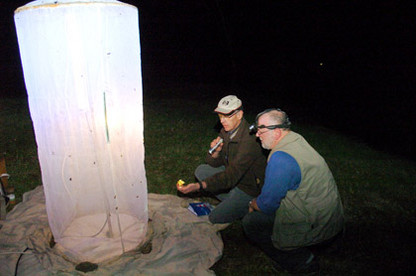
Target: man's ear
(240, 114)
(277, 132)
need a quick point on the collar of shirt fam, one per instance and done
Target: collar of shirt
(233, 132)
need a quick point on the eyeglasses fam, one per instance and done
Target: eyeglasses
(271, 127)
(222, 116)
(254, 128)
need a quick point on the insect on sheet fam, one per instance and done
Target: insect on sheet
(82, 70)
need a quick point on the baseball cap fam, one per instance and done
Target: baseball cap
(228, 104)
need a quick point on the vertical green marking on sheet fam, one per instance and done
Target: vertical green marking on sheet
(106, 122)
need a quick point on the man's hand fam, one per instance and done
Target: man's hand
(191, 187)
(215, 154)
(252, 206)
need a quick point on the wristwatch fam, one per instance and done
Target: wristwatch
(201, 187)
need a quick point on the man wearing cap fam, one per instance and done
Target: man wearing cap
(234, 171)
(299, 205)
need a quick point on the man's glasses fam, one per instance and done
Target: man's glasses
(257, 129)
(222, 116)
(271, 127)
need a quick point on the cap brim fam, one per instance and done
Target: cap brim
(225, 111)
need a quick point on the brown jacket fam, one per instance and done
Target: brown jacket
(244, 161)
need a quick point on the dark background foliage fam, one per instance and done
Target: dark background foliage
(347, 65)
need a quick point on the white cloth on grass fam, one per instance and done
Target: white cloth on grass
(182, 243)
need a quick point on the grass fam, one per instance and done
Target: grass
(378, 190)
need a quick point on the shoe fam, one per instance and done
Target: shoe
(311, 268)
(277, 268)
(335, 245)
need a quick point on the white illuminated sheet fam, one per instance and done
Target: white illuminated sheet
(82, 70)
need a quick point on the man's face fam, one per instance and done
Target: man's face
(231, 122)
(265, 135)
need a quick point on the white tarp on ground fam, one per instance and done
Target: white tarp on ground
(181, 243)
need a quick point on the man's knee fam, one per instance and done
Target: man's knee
(204, 171)
(212, 218)
(218, 217)
(200, 172)
(200, 168)
(249, 222)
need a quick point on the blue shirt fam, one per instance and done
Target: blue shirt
(282, 174)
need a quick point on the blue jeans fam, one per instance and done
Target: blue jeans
(233, 205)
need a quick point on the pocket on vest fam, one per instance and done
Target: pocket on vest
(287, 236)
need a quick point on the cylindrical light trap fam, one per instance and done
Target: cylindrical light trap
(82, 70)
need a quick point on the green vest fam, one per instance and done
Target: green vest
(313, 212)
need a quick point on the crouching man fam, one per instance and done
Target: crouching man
(299, 205)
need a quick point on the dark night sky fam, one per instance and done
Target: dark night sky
(270, 54)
